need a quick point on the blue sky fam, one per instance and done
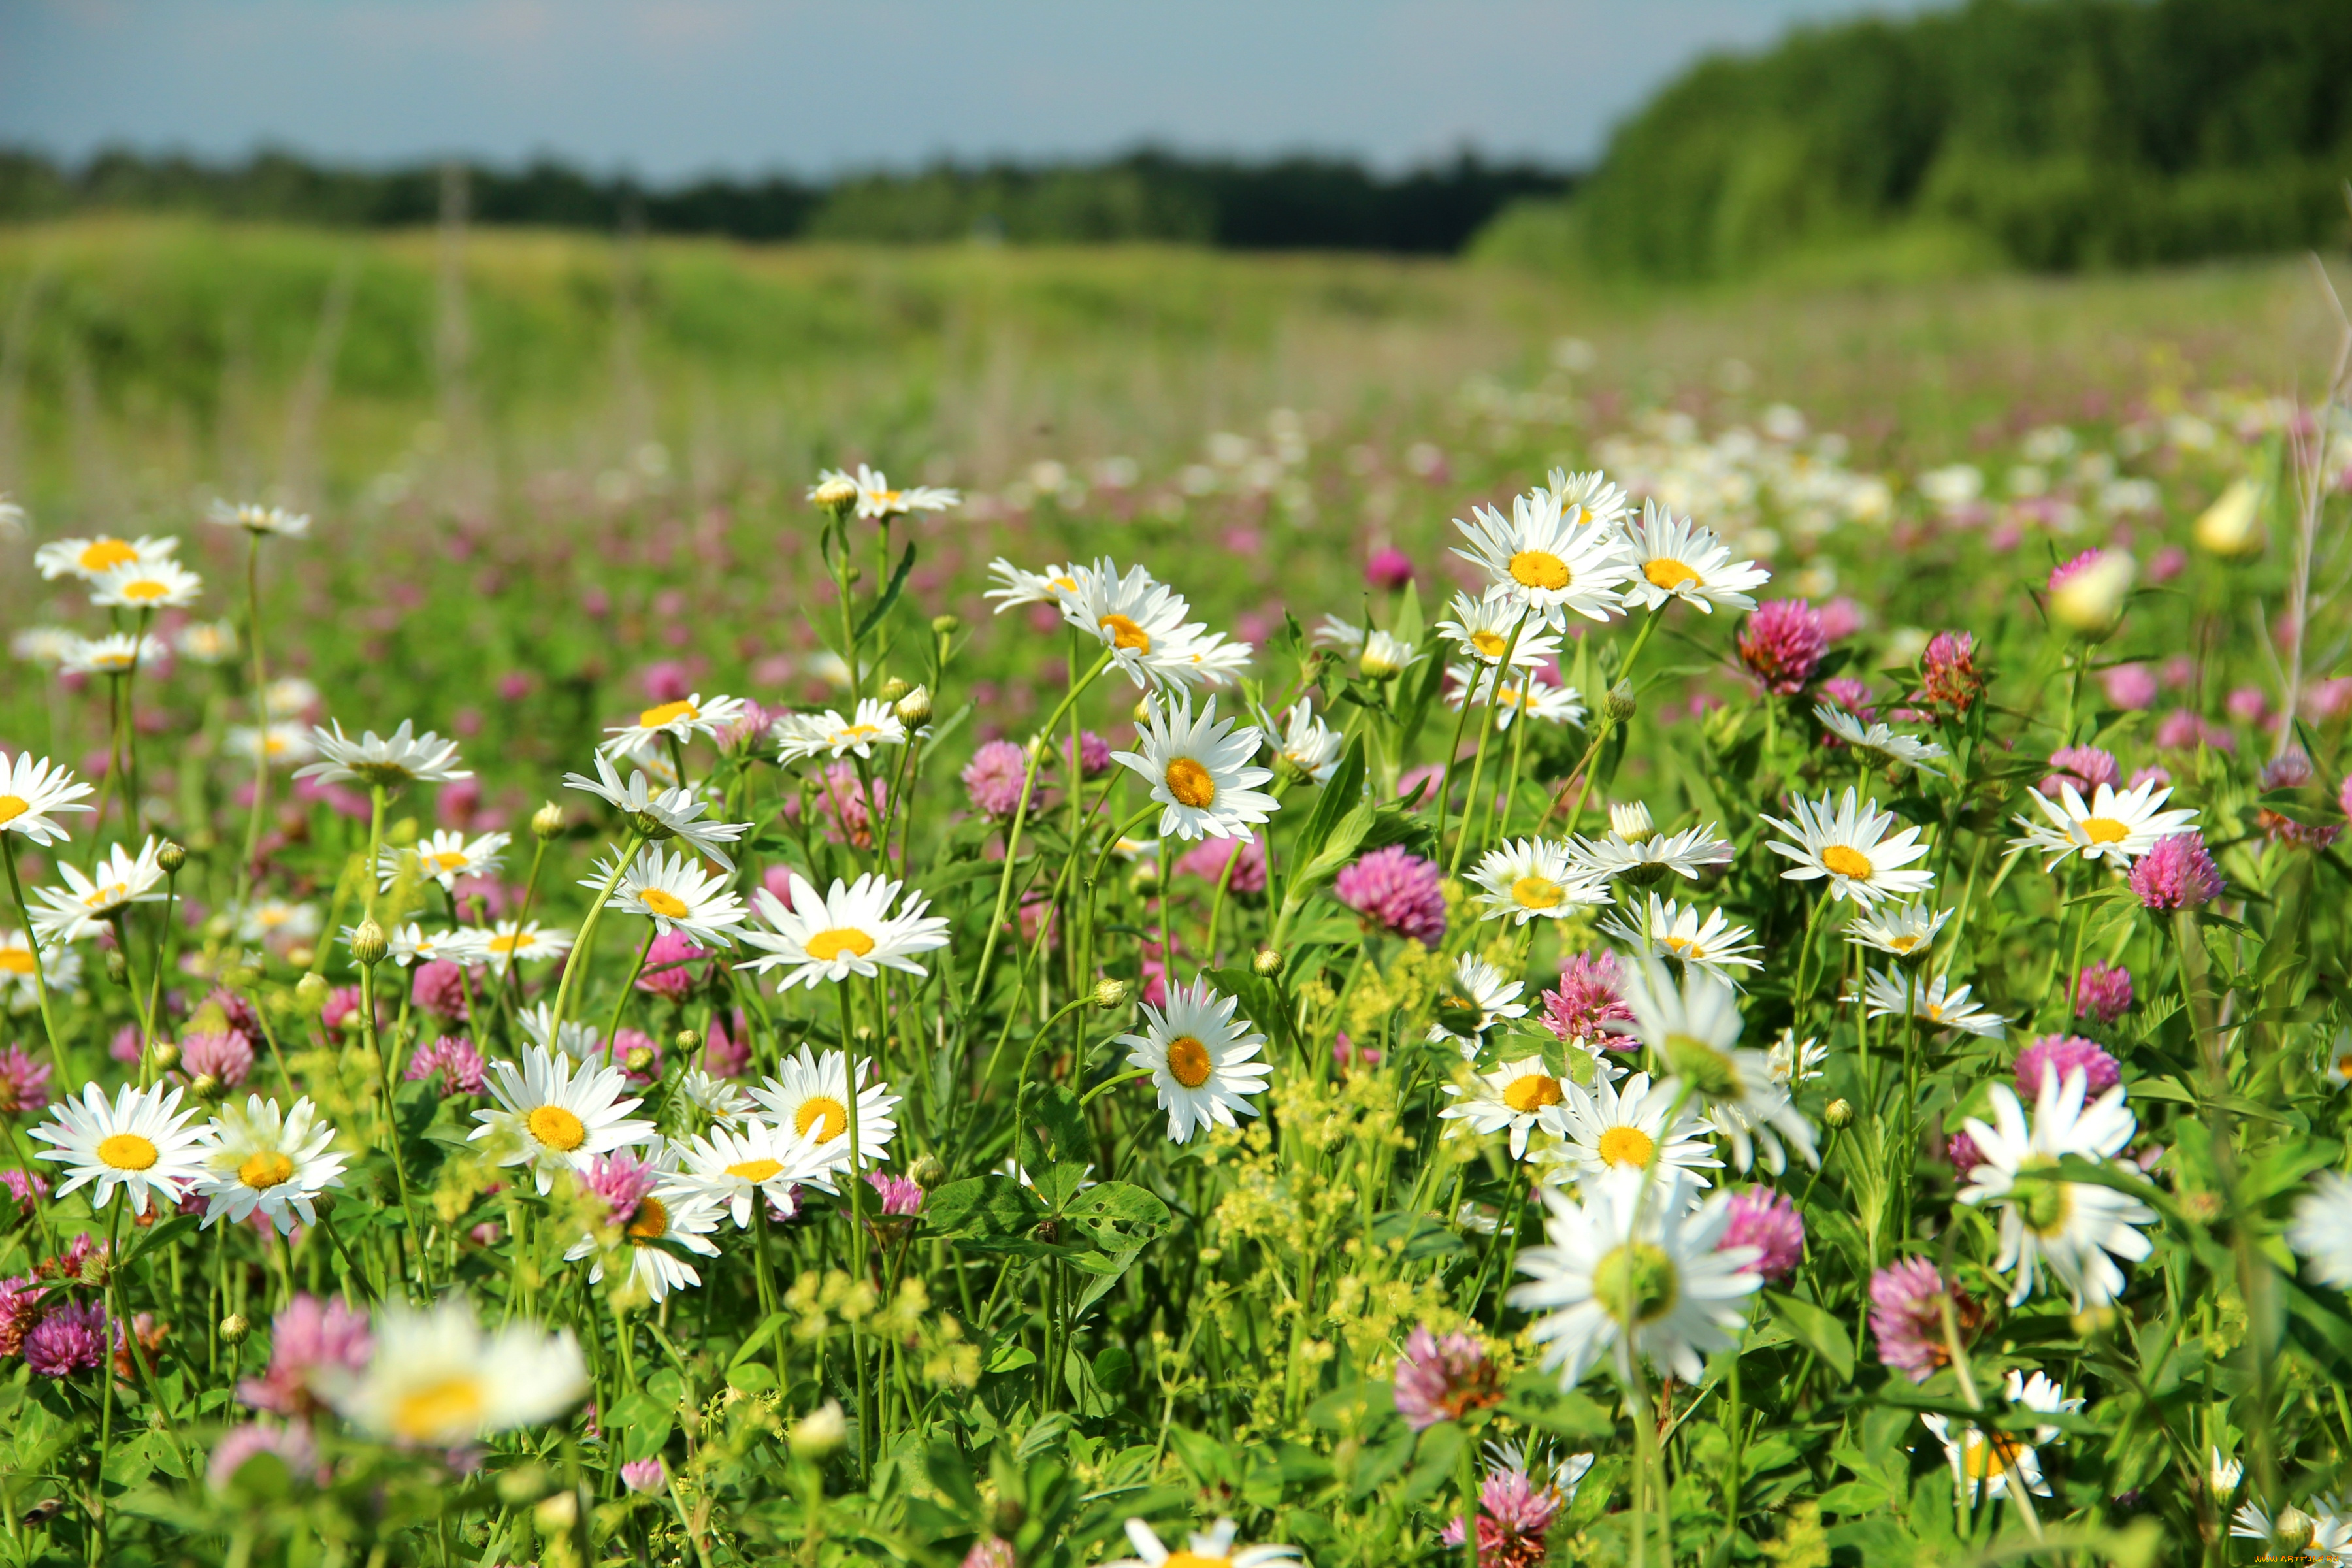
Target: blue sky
(671, 87)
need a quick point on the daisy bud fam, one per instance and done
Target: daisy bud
(310, 992)
(234, 1328)
(207, 1088)
(926, 1172)
(2231, 527)
(1145, 879)
(946, 626)
(836, 495)
(687, 1039)
(117, 968)
(1840, 1114)
(1383, 658)
(914, 709)
(892, 690)
(2293, 1530)
(1619, 705)
(548, 820)
(1268, 962)
(172, 856)
(368, 943)
(556, 1513)
(820, 1432)
(165, 1054)
(2087, 594)
(652, 828)
(639, 1058)
(1109, 992)
(98, 1267)
(1632, 823)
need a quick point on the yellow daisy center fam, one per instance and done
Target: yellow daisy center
(13, 806)
(1665, 571)
(1126, 634)
(1847, 861)
(1194, 1559)
(448, 860)
(1188, 1061)
(1067, 585)
(15, 961)
(668, 714)
(105, 554)
(1491, 644)
(145, 591)
(827, 945)
(2344, 1066)
(1540, 569)
(651, 1224)
(1902, 944)
(1532, 892)
(266, 1170)
(757, 1171)
(1189, 782)
(1680, 946)
(451, 1408)
(1627, 1146)
(856, 732)
(107, 897)
(1983, 1457)
(2105, 830)
(823, 1112)
(511, 941)
(556, 1128)
(1532, 1092)
(127, 1152)
(660, 902)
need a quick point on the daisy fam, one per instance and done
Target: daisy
(1200, 771)
(2074, 1229)
(438, 1380)
(2322, 1229)
(1473, 999)
(1333, 633)
(510, 942)
(1307, 743)
(163, 585)
(809, 1098)
(286, 743)
(1851, 846)
(1587, 499)
(662, 1207)
(1674, 558)
(1213, 1548)
(576, 1040)
(1695, 1031)
(92, 559)
(140, 1142)
(1386, 655)
(1679, 931)
(206, 642)
(1791, 1061)
(676, 893)
(555, 1114)
(1894, 996)
(1989, 1459)
(259, 520)
(282, 921)
(799, 735)
(465, 945)
(1619, 1134)
(256, 1160)
(60, 969)
(728, 1167)
(1618, 1273)
(680, 721)
(1903, 929)
(716, 1098)
(31, 795)
(1876, 744)
(43, 645)
(444, 856)
(661, 815)
(1203, 1061)
(1198, 657)
(1530, 877)
(2119, 826)
(86, 902)
(848, 931)
(1135, 617)
(876, 500)
(1518, 1098)
(1484, 629)
(118, 654)
(1644, 855)
(1015, 586)
(1546, 561)
(1535, 697)
(388, 762)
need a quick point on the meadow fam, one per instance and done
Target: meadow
(1700, 926)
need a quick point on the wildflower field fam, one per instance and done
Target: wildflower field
(1364, 915)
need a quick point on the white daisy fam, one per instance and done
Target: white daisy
(676, 893)
(716, 1098)
(1212, 1548)
(60, 969)
(1791, 1061)
(206, 642)
(1681, 932)
(1989, 1459)
(255, 1159)
(1619, 1134)
(1333, 633)
(1518, 1098)
(401, 758)
(141, 1141)
(1204, 1061)
(1484, 629)
(258, 519)
(828, 734)
(676, 1212)
(1695, 1029)
(1535, 697)
(47, 645)
(1850, 844)
(1876, 744)
(1587, 499)
(1307, 743)
(117, 654)
(281, 920)
(876, 498)
(288, 744)
(1015, 586)
(2074, 1229)
(555, 1114)
(92, 559)
(1475, 997)
(162, 585)
(680, 721)
(444, 856)
(2118, 826)
(1547, 561)
(1198, 657)
(809, 1098)
(730, 1166)
(1674, 558)
(848, 931)
(510, 942)
(1385, 656)
(438, 1380)
(2321, 1230)
(1902, 930)
(1526, 878)
(84, 905)
(32, 793)
(661, 815)
(1646, 856)
(1894, 997)
(1624, 1275)
(290, 694)
(1135, 616)
(1199, 771)
(407, 944)
(573, 1038)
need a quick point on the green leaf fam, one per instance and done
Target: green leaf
(1816, 1329)
(990, 1205)
(1433, 1465)
(1012, 1357)
(1054, 1108)
(1117, 1216)
(1346, 786)
(1419, 686)
(952, 1475)
(883, 606)
(759, 1337)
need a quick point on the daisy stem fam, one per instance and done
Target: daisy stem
(131, 807)
(613, 1027)
(1519, 756)
(1486, 733)
(375, 847)
(1467, 1473)
(261, 719)
(106, 1394)
(32, 1195)
(577, 959)
(390, 1071)
(856, 1196)
(40, 979)
(155, 984)
(1453, 750)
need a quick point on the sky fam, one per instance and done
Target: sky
(670, 89)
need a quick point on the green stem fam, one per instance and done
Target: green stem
(40, 980)
(576, 961)
(261, 721)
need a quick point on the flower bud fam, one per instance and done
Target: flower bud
(207, 1088)
(2087, 599)
(97, 1268)
(165, 1055)
(819, 1433)
(1268, 962)
(1840, 1114)
(310, 992)
(638, 1059)
(2293, 1530)
(368, 943)
(1620, 705)
(172, 856)
(914, 709)
(652, 828)
(1384, 657)
(2232, 528)
(926, 1172)
(836, 495)
(1143, 711)
(548, 820)
(946, 626)
(1110, 991)
(117, 968)
(234, 1328)
(685, 1039)
(556, 1514)
(892, 690)
(1144, 879)
(300, 955)
(1632, 822)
